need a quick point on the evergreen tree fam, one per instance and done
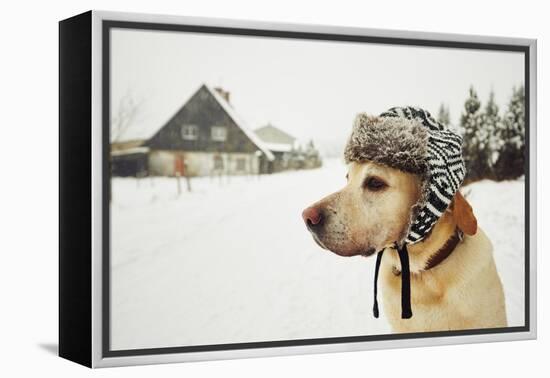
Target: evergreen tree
(492, 124)
(510, 163)
(444, 115)
(475, 144)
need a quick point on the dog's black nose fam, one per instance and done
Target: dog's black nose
(312, 217)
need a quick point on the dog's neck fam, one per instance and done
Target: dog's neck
(422, 252)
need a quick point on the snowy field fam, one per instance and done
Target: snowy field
(232, 261)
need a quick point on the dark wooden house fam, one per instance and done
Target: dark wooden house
(205, 137)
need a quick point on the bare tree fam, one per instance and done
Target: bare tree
(124, 115)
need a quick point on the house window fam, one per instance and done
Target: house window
(189, 132)
(241, 164)
(219, 133)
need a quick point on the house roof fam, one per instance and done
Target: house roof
(278, 147)
(240, 123)
(272, 135)
(130, 151)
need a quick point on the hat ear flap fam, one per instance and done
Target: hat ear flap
(463, 215)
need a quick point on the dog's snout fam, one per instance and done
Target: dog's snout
(312, 216)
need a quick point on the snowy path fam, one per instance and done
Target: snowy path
(232, 262)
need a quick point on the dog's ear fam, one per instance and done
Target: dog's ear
(463, 215)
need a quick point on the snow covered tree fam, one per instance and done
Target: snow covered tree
(492, 123)
(444, 115)
(476, 139)
(510, 163)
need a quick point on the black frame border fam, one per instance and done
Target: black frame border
(108, 25)
(75, 189)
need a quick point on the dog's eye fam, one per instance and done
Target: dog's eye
(374, 184)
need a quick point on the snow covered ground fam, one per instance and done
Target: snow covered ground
(500, 211)
(232, 261)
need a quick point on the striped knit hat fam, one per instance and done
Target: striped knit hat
(411, 140)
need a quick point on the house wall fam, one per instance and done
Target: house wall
(164, 163)
(281, 161)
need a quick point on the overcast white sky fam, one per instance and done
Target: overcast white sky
(312, 89)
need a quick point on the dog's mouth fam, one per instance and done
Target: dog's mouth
(318, 241)
(365, 253)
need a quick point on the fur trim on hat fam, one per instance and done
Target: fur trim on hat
(396, 142)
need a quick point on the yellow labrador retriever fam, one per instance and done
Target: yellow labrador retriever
(454, 281)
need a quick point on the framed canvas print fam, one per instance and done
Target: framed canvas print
(235, 189)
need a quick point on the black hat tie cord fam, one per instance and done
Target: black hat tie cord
(406, 312)
(376, 269)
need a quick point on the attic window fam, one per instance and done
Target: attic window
(219, 133)
(189, 132)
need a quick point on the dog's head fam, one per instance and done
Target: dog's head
(374, 210)
(370, 213)
(403, 168)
